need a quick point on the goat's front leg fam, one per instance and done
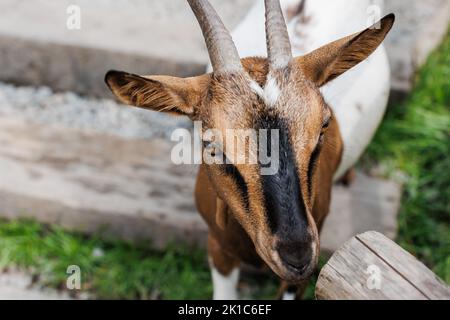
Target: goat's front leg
(292, 292)
(224, 271)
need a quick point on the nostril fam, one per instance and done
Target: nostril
(297, 256)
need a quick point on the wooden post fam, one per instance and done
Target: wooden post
(372, 267)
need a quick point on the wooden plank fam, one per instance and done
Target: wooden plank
(370, 266)
(407, 265)
(345, 277)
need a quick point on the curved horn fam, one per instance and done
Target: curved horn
(222, 51)
(278, 44)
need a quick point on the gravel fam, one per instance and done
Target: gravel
(15, 285)
(43, 106)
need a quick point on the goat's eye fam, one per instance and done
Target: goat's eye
(321, 137)
(326, 124)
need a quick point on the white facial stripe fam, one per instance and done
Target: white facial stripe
(270, 93)
(225, 287)
(256, 88)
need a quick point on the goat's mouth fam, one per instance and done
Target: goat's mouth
(291, 273)
(287, 271)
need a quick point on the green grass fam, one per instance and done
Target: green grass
(414, 140)
(122, 271)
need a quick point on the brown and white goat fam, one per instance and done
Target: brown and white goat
(257, 219)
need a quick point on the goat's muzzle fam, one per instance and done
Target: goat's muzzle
(292, 261)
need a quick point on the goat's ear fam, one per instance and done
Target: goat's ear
(158, 93)
(330, 61)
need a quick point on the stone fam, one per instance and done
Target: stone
(151, 37)
(91, 182)
(420, 27)
(15, 285)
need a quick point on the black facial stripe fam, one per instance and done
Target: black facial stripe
(232, 171)
(312, 166)
(282, 192)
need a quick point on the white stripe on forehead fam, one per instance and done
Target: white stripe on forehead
(270, 93)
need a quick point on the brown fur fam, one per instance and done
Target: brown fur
(330, 61)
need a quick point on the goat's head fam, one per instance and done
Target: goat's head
(280, 92)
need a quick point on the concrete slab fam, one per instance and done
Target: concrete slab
(160, 37)
(420, 27)
(129, 188)
(151, 36)
(92, 182)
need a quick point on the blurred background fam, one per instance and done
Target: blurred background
(87, 182)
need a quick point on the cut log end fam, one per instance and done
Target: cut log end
(372, 267)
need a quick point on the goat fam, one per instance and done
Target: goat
(262, 220)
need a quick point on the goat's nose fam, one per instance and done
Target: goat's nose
(296, 255)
